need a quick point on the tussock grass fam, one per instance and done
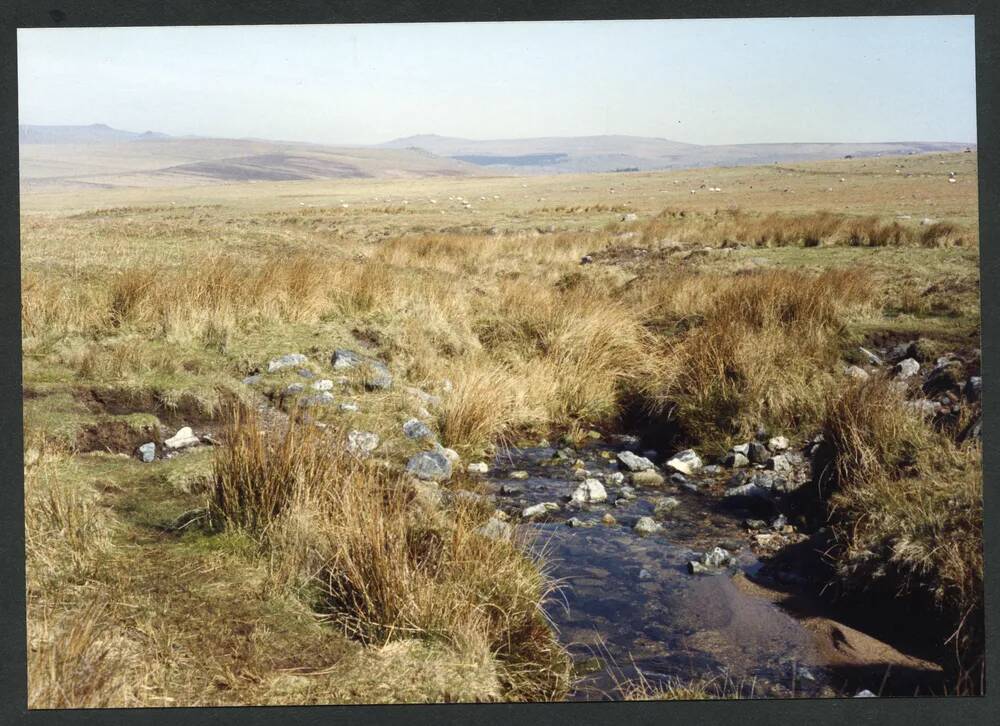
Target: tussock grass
(808, 229)
(907, 511)
(384, 568)
(759, 348)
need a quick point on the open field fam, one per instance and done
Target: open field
(278, 567)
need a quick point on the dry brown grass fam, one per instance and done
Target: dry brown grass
(908, 511)
(759, 348)
(808, 229)
(385, 568)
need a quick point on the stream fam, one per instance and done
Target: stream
(627, 606)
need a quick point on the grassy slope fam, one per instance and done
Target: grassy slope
(435, 292)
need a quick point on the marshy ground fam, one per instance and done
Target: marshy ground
(706, 309)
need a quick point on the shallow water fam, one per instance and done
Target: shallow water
(629, 601)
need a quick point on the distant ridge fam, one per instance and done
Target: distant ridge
(92, 134)
(581, 154)
(97, 154)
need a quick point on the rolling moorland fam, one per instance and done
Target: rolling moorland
(98, 156)
(752, 393)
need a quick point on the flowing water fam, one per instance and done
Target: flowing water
(628, 605)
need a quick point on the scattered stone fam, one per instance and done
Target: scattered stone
(711, 469)
(712, 563)
(306, 373)
(429, 466)
(924, 407)
(754, 524)
(906, 368)
(576, 522)
(627, 492)
(633, 462)
(685, 462)
(293, 389)
(510, 491)
(769, 540)
(417, 429)
(758, 452)
(147, 452)
(362, 443)
(377, 374)
(590, 492)
(614, 477)
(586, 260)
(252, 380)
(870, 357)
(323, 398)
(291, 359)
(779, 464)
(736, 460)
(519, 474)
(182, 439)
(594, 435)
(539, 509)
(496, 529)
(609, 519)
(645, 574)
(742, 449)
(856, 372)
(865, 694)
(581, 474)
(778, 444)
(647, 478)
(450, 454)
(349, 407)
(478, 467)
(324, 384)
(666, 504)
(647, 525)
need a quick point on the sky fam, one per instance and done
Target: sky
(696, 81)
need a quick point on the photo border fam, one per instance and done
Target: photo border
(89, 13)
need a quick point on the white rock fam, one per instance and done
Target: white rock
(615, 477)
(686, 462)
(907, 367)
(324, 384)
(539, 509)
(777, 444)
(590, 492)
(182, 439)
(856, 372)
(291, 359)
(647, 525)
(634, 462)
(362, 443)
(450, 454)
(479, 467)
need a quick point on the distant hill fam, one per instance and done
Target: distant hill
(552, 155)
(92, 134)
(99, 156)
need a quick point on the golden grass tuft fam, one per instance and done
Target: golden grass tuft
(384, 567)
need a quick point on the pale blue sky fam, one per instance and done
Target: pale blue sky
(699, 81)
